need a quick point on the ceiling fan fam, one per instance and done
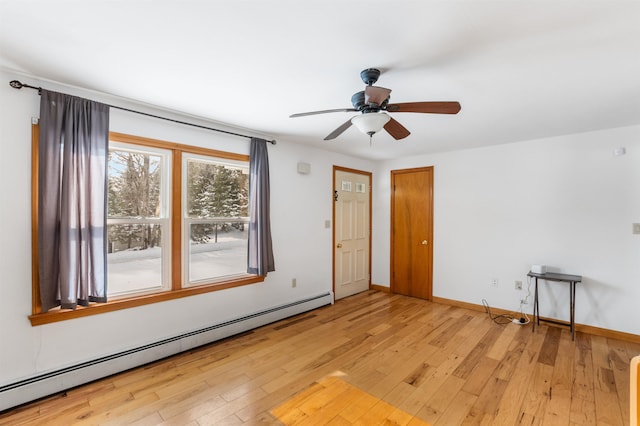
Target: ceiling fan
(373, 105)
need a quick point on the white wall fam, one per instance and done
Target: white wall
(566, 202)
(300, 204)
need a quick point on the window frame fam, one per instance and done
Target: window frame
(177, 289)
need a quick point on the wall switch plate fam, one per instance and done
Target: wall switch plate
(518, 285)
(635, 228)
(294, 283)
(494, 282)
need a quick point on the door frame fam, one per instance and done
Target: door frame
(430, 226)
(333, 221)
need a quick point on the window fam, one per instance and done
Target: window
(138, 237)
(216, 214)
(177, 219)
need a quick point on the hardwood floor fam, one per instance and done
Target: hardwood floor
(429, 362)
(333, 401)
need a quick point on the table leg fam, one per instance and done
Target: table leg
(572, 302)
(536, 308)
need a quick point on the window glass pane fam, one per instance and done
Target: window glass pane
(217, 250)
(134, 258)
(216, 190)
(134, 184)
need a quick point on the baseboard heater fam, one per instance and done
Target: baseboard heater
(52, 382)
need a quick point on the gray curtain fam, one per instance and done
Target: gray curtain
(260, 249)
(72, 182)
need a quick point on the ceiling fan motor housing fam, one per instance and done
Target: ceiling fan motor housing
(357, 100)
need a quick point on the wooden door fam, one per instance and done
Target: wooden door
(412, 232)
(352, 232)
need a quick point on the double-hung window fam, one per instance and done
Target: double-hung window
(215, 217)
(149, 183)
(177, 223)
(138, 220)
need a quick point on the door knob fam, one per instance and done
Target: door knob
(339, 245)
(424, 242)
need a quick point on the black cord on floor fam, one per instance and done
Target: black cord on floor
(498, 319)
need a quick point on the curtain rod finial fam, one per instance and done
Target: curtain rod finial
(19, 85)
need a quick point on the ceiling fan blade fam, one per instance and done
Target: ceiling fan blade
(337, 132)
(396, 130)
(426, 107)
(326, 111)
(375, 95)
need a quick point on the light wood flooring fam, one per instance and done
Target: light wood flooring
(416, 360)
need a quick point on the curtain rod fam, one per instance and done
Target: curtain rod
(18, 85)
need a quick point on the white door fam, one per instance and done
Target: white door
(352, 232)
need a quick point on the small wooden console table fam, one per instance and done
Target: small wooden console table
(552, 276)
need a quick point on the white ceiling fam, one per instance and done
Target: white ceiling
(522, 69)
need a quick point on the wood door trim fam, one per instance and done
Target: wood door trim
(392, 283)
(333, 221)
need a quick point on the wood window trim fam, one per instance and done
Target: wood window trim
(40, 318)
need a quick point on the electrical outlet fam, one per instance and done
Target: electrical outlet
(518, 285)
(524, 302)
(494, 283)
(293, 283)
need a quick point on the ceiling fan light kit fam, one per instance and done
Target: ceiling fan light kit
(370, 123)
(372, 103)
